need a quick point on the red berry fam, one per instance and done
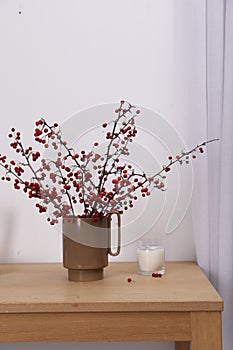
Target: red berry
(96, 144)
(104, 125)
(155, 274)
(129, 279)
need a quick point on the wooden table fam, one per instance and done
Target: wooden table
(37, 303)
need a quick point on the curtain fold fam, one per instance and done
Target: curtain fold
(225, 258)
(216, 232)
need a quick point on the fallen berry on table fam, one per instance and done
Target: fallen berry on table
(155, 274)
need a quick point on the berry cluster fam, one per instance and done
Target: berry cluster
(155, 274)
(86, 183)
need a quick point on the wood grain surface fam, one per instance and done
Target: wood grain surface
(38, 303)
(45, 288)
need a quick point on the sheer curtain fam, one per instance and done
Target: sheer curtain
(213, 196)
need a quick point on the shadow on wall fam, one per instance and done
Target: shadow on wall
(150, 345)
(7, 232)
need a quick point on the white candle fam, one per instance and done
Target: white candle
(150, 259)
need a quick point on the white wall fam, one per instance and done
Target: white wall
(59, 57)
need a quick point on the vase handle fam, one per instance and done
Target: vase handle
(117, 252)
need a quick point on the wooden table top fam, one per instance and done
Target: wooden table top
(44, 288)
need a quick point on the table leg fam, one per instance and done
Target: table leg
(182, 345)
(206, 331)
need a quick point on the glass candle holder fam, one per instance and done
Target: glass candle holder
(150, 258)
